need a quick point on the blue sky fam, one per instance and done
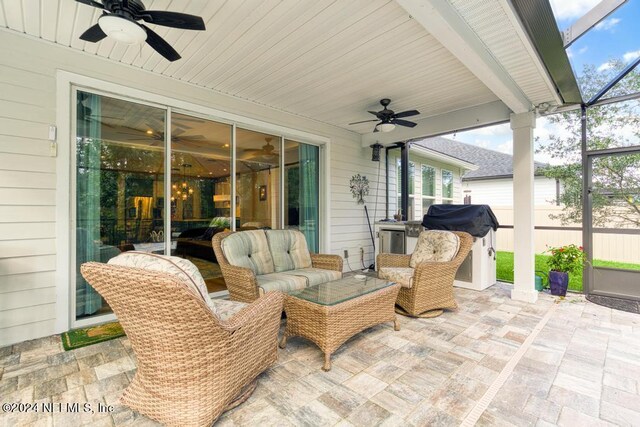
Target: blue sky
(617, 37)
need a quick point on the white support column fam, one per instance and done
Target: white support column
(523, 207)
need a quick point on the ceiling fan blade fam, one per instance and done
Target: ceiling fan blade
(177, 132)
(375, 113)
(93, 34)
(407, 114)
(364, 121)
(173, 19)
(160, 45)
(406, 123)
(91, 3)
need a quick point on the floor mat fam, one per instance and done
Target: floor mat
(86, 336)
(616, 303)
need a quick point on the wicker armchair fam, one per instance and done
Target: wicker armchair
(241, 282)
(191, 365)
(432, 288)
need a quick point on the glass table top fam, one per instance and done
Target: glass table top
(332, 293)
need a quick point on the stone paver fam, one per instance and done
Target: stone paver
(582, 368)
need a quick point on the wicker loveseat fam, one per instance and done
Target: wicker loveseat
(427, 286)
(260, 261)
(195, 357)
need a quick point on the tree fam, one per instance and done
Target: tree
(616, 179)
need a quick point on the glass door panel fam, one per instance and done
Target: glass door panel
(301, 190)
(200, 197)
(614, 196)
(119, 186)
(257, 180)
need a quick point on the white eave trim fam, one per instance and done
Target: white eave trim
(531, 50)
(443, 22)
(440, 157)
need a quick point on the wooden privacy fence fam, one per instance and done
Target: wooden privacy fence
(610, 244)
(607, 246)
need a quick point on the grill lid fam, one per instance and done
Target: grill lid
(476, 220)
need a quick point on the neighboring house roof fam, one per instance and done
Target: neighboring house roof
(443, 157)
(491, 164)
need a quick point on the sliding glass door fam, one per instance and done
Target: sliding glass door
(119, 186)
(257, 180)
(151, 179)
(200, 191)
(301, 190)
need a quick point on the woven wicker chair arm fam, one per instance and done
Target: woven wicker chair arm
(255, 314)
(241, 282)
(326, 262)
(392, 260)
(240, 271)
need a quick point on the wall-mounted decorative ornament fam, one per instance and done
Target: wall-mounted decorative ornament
(359, 186)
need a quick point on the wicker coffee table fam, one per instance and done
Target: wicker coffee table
(330, 313)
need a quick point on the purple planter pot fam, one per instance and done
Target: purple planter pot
(558, 282)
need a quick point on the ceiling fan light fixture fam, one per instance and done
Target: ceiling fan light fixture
(386, 127)
(122, 30)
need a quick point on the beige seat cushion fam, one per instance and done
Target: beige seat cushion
(435, 246)
(401, 275)
(288, 249)
(227, 308)
(280, 282)
(182, 268)
(315, 276)
(248, 249)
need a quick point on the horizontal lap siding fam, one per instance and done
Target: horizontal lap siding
(499, 192)
(349, 229)
(27, 200)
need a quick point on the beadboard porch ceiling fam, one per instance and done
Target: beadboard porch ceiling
(331, 60)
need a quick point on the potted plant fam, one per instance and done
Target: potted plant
(564, 260)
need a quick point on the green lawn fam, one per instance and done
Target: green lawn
(504, 268)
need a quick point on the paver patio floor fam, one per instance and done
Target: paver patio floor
(582, 368)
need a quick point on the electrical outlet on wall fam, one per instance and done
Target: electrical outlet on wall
(346, 253)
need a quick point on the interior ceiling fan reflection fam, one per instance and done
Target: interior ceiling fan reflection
(267, 152)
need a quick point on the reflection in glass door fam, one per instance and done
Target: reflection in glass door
(257, 180)
(119, 186)
(200, 191)
(614, 210)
